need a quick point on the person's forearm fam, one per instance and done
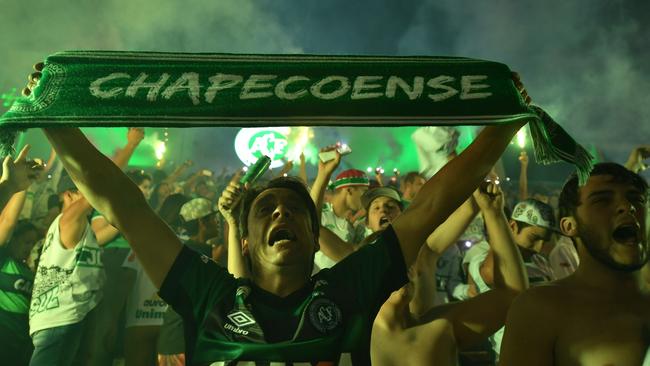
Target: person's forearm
(332, 246)
(523, 182)
(318, 190)
(10, 214)
(122, 157)
(303, 172)
(509, 271)
(103, 186)
(106, 234)
(50, 162)
(173, 177)
(236, 262)
(450, 231)
(6, 192)
(424, 283)
(450, 187)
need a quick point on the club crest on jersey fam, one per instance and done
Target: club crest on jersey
(324, 315)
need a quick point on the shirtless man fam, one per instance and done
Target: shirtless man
(403, 337)
(599, 315)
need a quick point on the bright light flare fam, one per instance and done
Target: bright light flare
(521, 137)
(298, 140)
(160, 147)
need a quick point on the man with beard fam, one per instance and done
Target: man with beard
(599, 315)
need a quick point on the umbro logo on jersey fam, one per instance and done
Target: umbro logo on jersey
(240, 319)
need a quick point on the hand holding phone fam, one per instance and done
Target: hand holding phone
(342, 149)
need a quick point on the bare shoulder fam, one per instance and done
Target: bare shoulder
(549, 297)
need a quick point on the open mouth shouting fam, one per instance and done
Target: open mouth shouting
(628, 233)
(281, 236)
(384, 221)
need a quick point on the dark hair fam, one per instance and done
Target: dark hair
(290, 183)
(158, 176)
(22, 227)
(138, 176)
(155, 194)
(53, 201)
(570, 197)
(411, 176)
(171, 208)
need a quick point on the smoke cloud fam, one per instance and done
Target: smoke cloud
(585, 61)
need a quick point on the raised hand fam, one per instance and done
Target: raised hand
(635, 162)
(523, 158)
(489, 197)
(33, 79)
(230, 199)
(330, 166)
(135, 135)
(20, 173)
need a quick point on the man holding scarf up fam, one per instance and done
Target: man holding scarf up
(281, 314)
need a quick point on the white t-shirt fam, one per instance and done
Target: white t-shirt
(68, 283)
(538, 270)
(343, 229)
(564, 258)
(143, 307)
(480, 248)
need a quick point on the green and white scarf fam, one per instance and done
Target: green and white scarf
(106, 89)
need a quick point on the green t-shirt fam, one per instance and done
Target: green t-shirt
(328, 319)
(118, 242)
(16, 281)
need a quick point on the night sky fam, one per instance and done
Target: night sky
(584, 61)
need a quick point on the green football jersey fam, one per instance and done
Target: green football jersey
(231, 321)
(16, 281)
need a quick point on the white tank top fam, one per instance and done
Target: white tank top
(68, 282)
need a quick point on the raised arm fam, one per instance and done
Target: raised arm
(453, 184)
(134, 136)
(332, 246)
(302, 174)
(509, 272)
(17, 175)
(449, 231)
(173, 177)
(228, 206)
(10, 214)
(50, 162)
(423, 274)
(105, 232)
(477, 318)
(635, 162)
(286, 168)
(523, 176)
(325, 171)
(113, 194)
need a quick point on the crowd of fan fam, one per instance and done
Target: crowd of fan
(104, 300)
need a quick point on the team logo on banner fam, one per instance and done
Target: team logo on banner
(252, 143)
(324, 315)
